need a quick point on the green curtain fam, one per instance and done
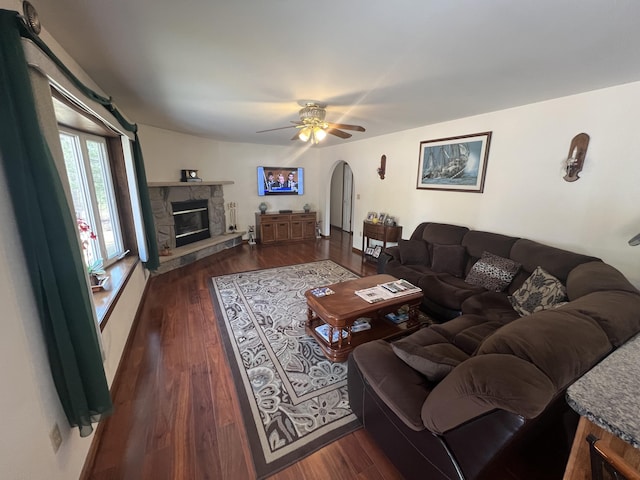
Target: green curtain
(153, 260)
(47, 231)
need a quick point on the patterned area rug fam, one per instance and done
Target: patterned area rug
(294, 400)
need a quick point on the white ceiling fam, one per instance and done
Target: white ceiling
(226, 69)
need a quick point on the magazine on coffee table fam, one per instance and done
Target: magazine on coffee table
(323, 331)
(386, 291)
(400, 287)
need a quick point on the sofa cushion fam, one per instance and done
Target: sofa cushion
(429, 353)
(449, 259)
(446, 290)
(539, 292)
(556, 261)
(443, 233)
(413, 252)
(596, 277)
(562, 343)
(616, 312)
(493, 306)
(411, 273)
(466, 332)
(477, 242)
(492, 272)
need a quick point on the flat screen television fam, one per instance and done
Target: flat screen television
(280, 181)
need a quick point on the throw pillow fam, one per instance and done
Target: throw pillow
(433, 361)
(449, 259)
(538, 292)
(413, 252)
(492, 272)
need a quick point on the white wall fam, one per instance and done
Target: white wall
(29, 406)
(524, 193)
(167, 152)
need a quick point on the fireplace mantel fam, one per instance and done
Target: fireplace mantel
(188, 184)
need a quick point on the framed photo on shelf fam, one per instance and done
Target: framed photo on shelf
(382, 217)
(454, 163)
(369, 251)
(389, 221)
(371, 216)
(377, 251)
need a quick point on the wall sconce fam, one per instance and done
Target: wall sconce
(383, 166)
(575, 160)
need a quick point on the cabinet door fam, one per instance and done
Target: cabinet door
(308, 229)
(268, 232)
(282, 231)
(296, 230)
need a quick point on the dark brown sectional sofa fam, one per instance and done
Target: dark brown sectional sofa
(480, 393)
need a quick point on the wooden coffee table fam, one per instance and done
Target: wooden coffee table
(342, 308)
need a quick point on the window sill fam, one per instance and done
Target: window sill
(105, 300)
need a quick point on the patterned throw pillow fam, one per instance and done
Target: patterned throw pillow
(538, 292)
(492, 272)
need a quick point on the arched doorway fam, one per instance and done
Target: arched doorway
(341, 198)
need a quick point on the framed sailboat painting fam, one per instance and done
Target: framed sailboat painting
(454, 163)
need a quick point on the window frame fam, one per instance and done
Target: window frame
(88, 188)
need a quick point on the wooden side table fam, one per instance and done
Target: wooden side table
(378, 231)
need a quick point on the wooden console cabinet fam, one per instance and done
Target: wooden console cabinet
(378, 231)
(284, 227)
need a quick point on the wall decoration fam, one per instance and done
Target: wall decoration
(383, 167)
(575, 160)
(454, 163)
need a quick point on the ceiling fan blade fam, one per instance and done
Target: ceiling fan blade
(272, 129)
(296, 136)
(345, 126)
(338, 133)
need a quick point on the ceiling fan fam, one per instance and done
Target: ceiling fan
(313, 127)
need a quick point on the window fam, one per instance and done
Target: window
(87, 164)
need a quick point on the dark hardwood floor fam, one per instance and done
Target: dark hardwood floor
(176, 411)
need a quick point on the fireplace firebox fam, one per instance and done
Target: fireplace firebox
(191, 221)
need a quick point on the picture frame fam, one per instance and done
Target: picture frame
(382, 217)
(377, 251)
(371, 216)
(389, 221)
(454, 163)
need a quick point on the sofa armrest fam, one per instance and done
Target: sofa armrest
(485, 383)
(388, 254)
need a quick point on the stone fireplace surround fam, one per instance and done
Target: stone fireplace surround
(162, 194)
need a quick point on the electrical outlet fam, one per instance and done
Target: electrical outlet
(56, 438)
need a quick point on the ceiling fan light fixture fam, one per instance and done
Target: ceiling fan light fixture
(312, 126)
(312, 112)
(319, 134)
(305, 134)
